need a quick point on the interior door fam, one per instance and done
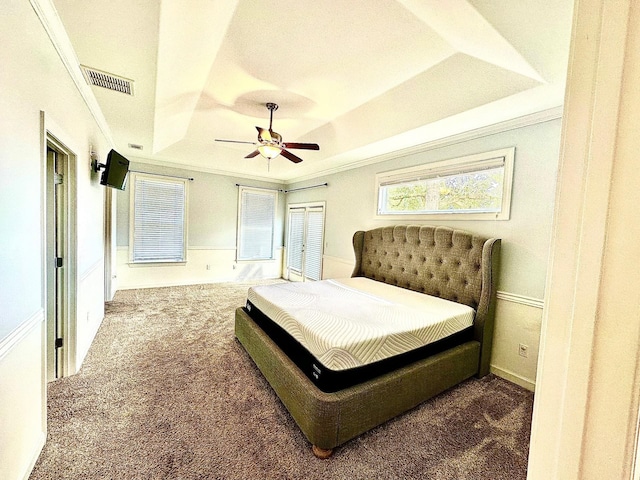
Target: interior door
(55, 263)
(305, 242)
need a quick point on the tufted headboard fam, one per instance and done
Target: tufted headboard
(439, 261)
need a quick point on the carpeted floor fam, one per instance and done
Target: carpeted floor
(166, 392)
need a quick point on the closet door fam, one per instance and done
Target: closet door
(305, 240)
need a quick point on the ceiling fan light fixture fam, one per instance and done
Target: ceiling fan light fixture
(270, 143)
(269, 151)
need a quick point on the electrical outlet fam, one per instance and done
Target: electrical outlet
(523, 350)
(208, 267)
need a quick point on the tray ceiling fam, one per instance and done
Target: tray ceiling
(360, 78)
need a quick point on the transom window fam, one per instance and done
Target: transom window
(474, 187)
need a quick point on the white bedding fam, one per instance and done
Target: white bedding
(352, 322)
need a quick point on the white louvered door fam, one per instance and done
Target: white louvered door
(305, 242)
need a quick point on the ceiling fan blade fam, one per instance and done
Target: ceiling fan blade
(234, 141)
(303, 146)
(253, 154)
(290, 156)
(264, 135)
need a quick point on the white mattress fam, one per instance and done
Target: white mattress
(352, 322)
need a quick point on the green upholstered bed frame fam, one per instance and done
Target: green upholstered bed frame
(452, 264)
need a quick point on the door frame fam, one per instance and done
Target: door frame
(294, 276)
(110, 276)
(68, 281)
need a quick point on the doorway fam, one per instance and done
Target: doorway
(305, 241)
(59, 259)
(109, 244)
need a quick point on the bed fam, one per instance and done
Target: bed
(336, 390)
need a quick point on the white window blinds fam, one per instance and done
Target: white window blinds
(159, 220)
(256, 223)
(296, 238)
(474, 187)
(313, 244)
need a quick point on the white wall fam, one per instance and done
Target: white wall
(350, 205)
(204, 265)
(22, 416)
(33, 79)
(211, 234)
(586, 411)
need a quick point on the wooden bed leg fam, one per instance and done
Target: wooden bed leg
(321, 453)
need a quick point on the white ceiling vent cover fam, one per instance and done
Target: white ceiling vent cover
(107, 80)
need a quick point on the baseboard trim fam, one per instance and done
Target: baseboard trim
(513, 377)
(42, 438)
(21, 331)
(196, 282)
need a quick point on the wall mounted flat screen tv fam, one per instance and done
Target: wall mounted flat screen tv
(116, 171)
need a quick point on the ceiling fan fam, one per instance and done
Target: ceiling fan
(270, 143)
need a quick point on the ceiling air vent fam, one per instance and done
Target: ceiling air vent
(107, 80)
(135, 146)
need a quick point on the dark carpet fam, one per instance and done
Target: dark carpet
(167, 392)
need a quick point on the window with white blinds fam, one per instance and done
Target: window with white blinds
(313, 244)
(158, 219)
(296, 239)
(256, 218)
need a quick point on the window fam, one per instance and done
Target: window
(158, 219)
(256, 217)
(475, 187)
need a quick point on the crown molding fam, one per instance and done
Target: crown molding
(500, 127)
(193, 168)
(52, 24)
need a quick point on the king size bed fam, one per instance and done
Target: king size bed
(345, 355)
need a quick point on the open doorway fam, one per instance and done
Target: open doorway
(60, 252)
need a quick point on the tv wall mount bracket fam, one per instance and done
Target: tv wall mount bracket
(96, 166)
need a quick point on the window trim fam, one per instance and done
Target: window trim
(262, 191)
(447, 167)
(161, 178)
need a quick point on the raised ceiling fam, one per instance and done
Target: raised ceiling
(360, 78)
